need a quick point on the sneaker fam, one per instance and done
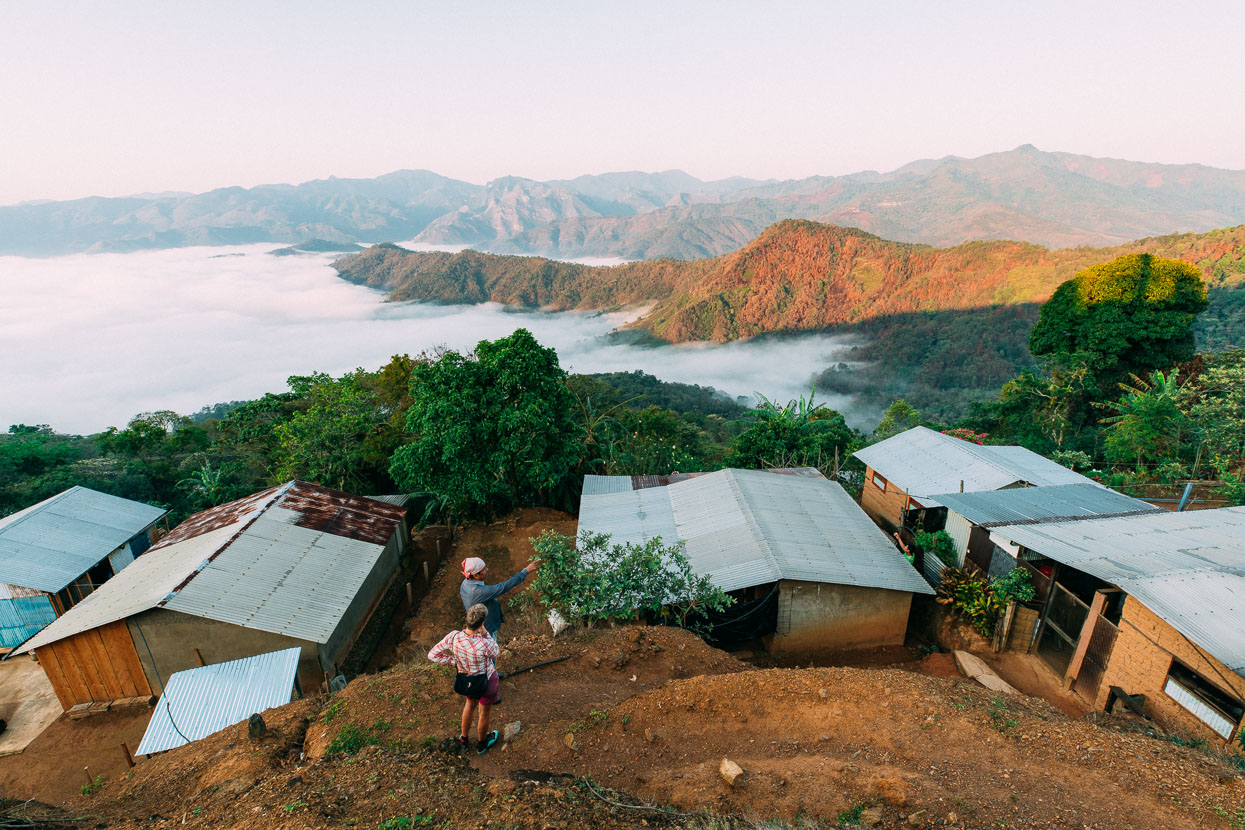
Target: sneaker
(463, 743)
(489, 739)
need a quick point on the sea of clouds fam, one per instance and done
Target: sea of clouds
(87, 341)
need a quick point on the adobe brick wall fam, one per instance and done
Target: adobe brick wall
(1140, 660)
(819, 617)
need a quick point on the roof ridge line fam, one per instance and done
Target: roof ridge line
(281, 492)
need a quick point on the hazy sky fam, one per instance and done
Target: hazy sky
(125, 97)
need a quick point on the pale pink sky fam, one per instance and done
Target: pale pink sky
(125, 97)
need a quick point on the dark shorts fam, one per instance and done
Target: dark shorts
(491, 693)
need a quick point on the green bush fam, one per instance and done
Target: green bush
(350, 740)
(1016, 585)
(940, 544)
(597, 581)
(970, 596)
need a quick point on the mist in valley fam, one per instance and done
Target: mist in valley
(89, 340)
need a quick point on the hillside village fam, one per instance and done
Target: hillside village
(1110, 698)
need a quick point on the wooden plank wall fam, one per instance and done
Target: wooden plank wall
(884, 507)
(95, 666)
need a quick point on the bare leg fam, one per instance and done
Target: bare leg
(482, 730)
(469, 709)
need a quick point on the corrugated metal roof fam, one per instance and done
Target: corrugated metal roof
(288, 563)
(1042, 504)
(201, 701)
(1188, 568)
(924, 462)
(748, 527)
(50, 544)
(400, 499)
(595, 485)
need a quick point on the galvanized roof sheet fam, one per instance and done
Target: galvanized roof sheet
(1188, 568)
(595, 485)
(201, 701)
(1042, 504)
(924, 462)
(749, 527)
(50, 544)
(288, 564)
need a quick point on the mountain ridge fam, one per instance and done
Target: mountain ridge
(797, 276)
(1051, 198)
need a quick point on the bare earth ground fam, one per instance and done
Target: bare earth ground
(651, 712)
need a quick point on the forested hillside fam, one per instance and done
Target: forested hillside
(944, 326)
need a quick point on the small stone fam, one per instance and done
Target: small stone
(621, 659)
(511, 730)
(595, 661)
(824, 738)
(650, 736)
(824, 694)
(952, 818)
(255, 726)
(569, 740)
(915, 819)
(871, 817)
(636, 634)
(730, 772)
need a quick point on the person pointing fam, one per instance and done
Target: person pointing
(474, 591)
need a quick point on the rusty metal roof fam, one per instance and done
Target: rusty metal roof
(288, 560)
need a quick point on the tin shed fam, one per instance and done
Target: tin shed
(295, 566)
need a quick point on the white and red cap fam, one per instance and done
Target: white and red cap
(472, 566)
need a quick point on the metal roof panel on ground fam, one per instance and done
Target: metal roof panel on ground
(1037, 504)
(50, 544)
(924, 462)
(201, 701)
(290, 562)
(1188, 568)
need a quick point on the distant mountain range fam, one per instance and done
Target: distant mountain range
(798, 276)
(1058, 200)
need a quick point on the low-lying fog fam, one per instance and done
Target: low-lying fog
(87, 341)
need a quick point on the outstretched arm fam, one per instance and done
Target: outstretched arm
(486, 592)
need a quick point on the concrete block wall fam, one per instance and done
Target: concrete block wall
(1143, 653)
(818, 617)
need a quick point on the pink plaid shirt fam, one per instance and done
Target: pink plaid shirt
(469, 653)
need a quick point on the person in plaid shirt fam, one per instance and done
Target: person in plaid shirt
(473, 651)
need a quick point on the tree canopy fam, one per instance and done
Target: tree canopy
(490, 430)
(1133, 314)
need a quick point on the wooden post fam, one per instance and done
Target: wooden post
(427, 574)
(409, 598)
(129, 757)
(89, 780)
(438, 551)
(199, 657)
(1082, 643)
(836, 462)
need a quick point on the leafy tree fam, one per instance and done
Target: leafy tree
(1214, 402)
(1044, 412)
(329, 442)
(1148, 424)
(491, 430)
(900, 416)
(799, 434)
(1133, 314)
(599, 581)
(653, 441)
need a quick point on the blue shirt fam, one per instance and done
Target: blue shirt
(475, 592)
